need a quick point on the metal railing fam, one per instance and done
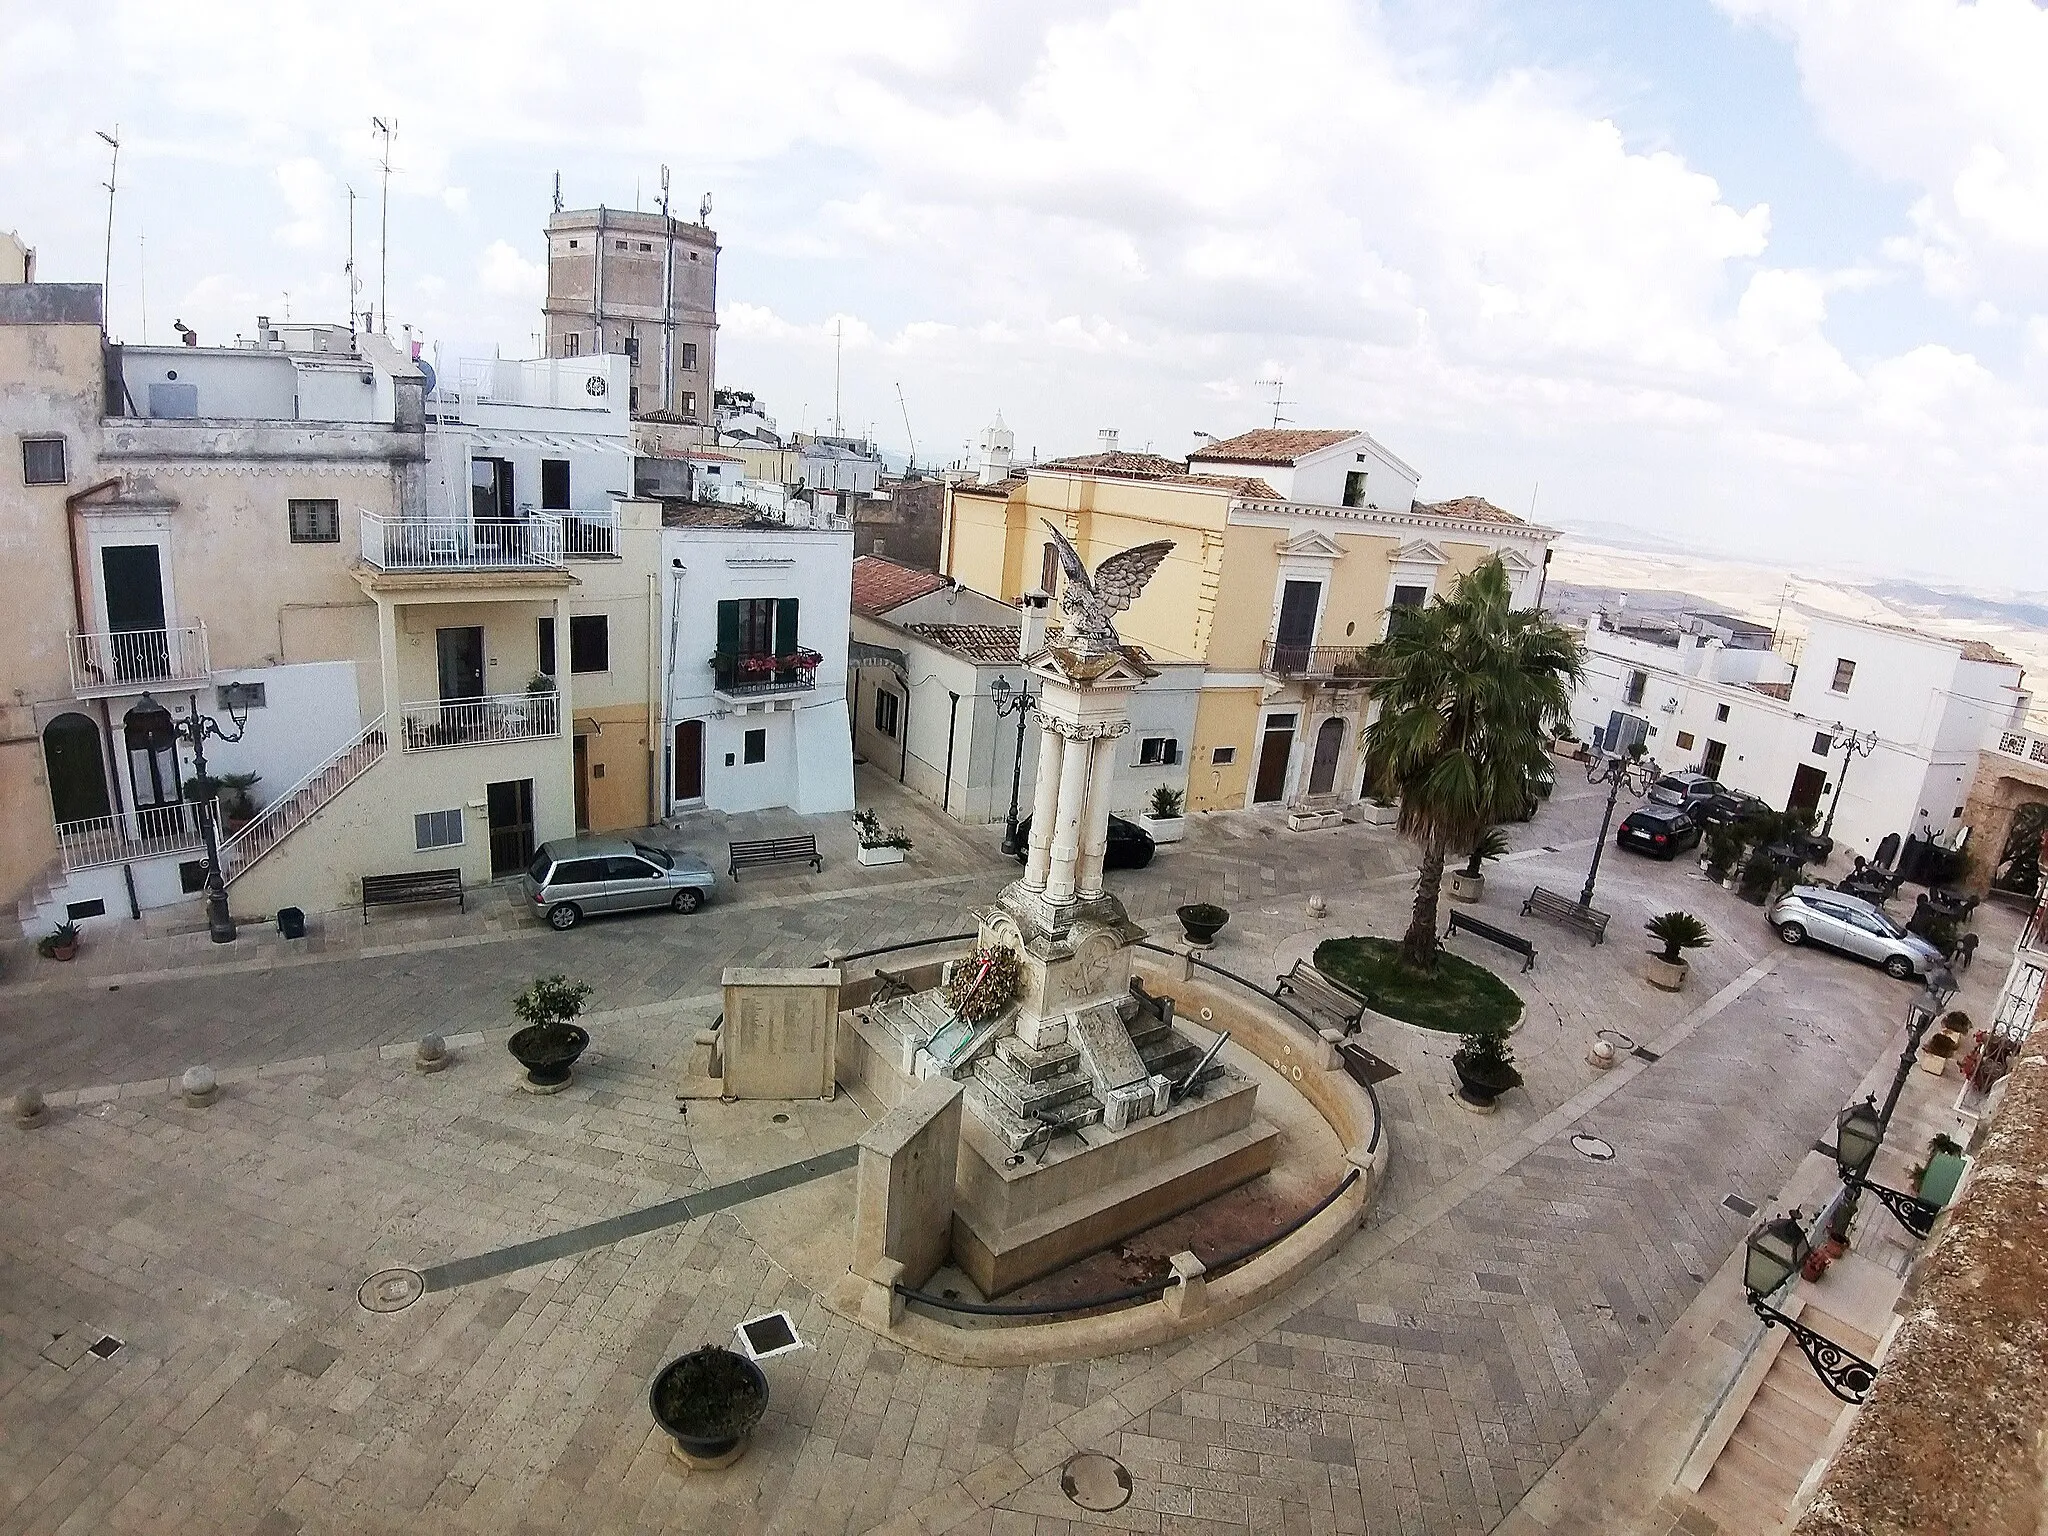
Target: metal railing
(129, 660)
(1336, 663)
(297, 805)
(462, 543)
(436, 723)
(148, 833)
(590, 535)
(746, 675)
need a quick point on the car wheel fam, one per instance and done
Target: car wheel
(1899, 968)
(687, 901)
(1792, 933)
(565, 916)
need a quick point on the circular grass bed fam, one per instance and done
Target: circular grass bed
(1461, 996)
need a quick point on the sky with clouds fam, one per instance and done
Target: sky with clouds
(1765, 276)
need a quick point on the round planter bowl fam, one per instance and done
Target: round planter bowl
(548, 1054)
(1480, 1093)
(63, 951)
(1201, 922)
(708, 1402)
(1664, 974)
(1464, 887)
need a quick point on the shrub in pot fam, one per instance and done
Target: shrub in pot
(1469, 883)
(1163, 818)
(550, 1043)
(1201, 921)
(1485, 1067)
(879, 844)
(1677, 932)
(708, 1402)
(61, 943)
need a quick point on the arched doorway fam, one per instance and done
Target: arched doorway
(1322, 771)
(151, 743)
(2018, 867)
(76, 768)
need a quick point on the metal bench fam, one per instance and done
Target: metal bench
(416, 885)
(774, 850)
(1324, 998)
(1553, 908)
(1479, 929)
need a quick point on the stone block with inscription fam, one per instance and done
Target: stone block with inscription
(781, 1033)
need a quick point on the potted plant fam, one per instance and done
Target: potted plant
(540, 683)
(1380, 811)
(708, 1402)
(1163, 819)
(550, 1043)
(59, 944)
(1677, 932)
(1468, 883)
(1936, 1051)
(1722, 856)
(1485, 1067)
(878, 844)
(1201, 921)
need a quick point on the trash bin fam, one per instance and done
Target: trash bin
(291, 922)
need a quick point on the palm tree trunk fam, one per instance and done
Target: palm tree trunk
(1418, 944)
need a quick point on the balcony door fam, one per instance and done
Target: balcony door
(1299, 601)
(132, 575)
(460, 654)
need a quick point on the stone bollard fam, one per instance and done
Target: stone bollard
(200, 1086)
(881, 1306)
(431, 1055)
(1601, 1056)
(1317, 907)
(1190, 1292)
(29, 1109)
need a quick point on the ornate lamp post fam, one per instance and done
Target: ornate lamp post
(195, 728)
(1859, 744)
(1632, 771)
(1018, 702)
(1772, 1256)
(1920, 1017)
(1858, 1135)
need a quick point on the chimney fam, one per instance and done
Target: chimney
(1108, 437)
(1031, 631)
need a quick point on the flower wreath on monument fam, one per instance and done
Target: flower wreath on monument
(984, 983)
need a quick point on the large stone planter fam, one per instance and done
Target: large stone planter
(1666, 975)
(1374, 814)
(1477, 1092)
(1165, 829)
(708, 1402)
(874, 858)
(547, 1054)
(1464, 887)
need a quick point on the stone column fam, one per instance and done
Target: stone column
(1044, 806)
(1073, 804)
(1095, 820)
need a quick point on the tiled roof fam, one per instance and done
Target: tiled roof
(1132, 466)
(880, 584)
(977, 642)
(1269, 445)
(709, 514)
(1771, 690)
(1471, 509)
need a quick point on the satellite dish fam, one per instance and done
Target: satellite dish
(433, 379)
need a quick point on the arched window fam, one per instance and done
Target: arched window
(76, 768)
(1322, 772)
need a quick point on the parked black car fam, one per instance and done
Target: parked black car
(1662, 831)
(1731, 806)
(1130, 846)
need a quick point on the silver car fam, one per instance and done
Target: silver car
(573, 877)
(1819, 914)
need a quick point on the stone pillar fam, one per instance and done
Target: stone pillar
(1095, 820)
(1044, 806)
(1073, 804)
(903, 1192)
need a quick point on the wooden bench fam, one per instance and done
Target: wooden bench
(1553, 908)
(1460, 923)
(417, 885)
(774, 850)
(1324, 998)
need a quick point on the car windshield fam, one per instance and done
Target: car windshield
(654, 856)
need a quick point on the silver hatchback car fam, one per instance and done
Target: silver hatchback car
(573, 877)
(1821, 915)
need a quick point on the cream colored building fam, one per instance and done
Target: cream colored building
(1290, 549)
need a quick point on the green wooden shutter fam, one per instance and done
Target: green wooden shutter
(728, 628)
(785, 626)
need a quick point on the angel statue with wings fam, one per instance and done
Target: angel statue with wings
(1090, 601)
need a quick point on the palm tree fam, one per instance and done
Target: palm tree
(1467, 688)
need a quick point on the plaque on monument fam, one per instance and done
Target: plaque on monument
(781, 1032)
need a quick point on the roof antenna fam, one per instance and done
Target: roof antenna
(911, 467)
(558, 191)
(113, 168)
(378, 125)
(1278, 386)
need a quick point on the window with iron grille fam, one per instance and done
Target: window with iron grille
(314, 521)
(42, 461)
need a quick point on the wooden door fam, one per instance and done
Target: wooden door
(1274, 750)
(1322, 772)
(1807, 784)
(1710, 764)
(689, 763)
(581, 749)
(510, 807)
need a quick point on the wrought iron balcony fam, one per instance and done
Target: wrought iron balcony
(108, 662)
(1316, 663)
(480, 722)
(758, 674)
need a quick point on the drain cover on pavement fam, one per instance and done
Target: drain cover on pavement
(1596, 1147)
(391, 1290)
(1096, 1482)
(1740, 1206)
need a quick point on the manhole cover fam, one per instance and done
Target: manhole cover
(780, 1119)
(1095, 1481)
(1598, 1148)
(104, 1346)
(1739, 1206)
(391, 1290)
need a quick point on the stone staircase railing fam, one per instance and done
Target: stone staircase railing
(298, 805)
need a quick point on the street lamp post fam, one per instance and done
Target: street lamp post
(1018, 702)
(1772, 1256)
(1920, 1017)
(1858, 1135)
(195, 728)
(1859, 744)
(1633, 770)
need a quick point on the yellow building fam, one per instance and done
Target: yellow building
(1290, 548)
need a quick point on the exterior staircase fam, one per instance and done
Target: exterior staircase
(299, 804)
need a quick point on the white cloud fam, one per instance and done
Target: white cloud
(309, 194)
(507, 274)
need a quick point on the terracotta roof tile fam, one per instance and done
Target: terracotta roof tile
(880, 584)
(1470, 509)
(976, 642)
(1269, 445)
(1131, 466)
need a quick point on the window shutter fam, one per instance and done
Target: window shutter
(729, 628)
(785, 626)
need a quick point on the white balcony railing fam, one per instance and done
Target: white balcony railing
(590, 535)
(145, 834)
(130, 660)
(437, 723)
(299, 804)
(462, 543)
(2027, 746)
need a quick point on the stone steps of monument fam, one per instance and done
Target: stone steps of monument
(1025, 1095)
(1170, 1056)
(1034, 1063)
(917, 1017)
(1019, 1131)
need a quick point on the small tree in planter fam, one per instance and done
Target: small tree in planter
(1468, 883)
(1485, 1067)
(1677, 932)
(1163, 818)
(551, 1042)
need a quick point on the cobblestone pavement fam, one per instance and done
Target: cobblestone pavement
(1418, 1382)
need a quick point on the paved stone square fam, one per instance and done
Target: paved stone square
(1421, 1381)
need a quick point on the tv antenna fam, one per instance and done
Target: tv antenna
(558, 191)
(912, 464)
(838, 328)
(704, 210)
(1279, 387)
(387, 129)
(355, 283)
(113, 169)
